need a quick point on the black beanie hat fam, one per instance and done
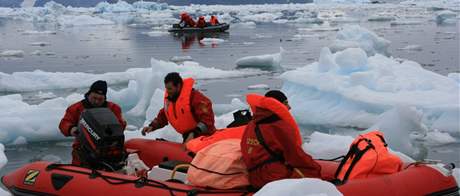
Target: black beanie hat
(99, 87)
(276, 94)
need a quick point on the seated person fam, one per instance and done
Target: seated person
(213, 20)
(271, 143)
(201, 22)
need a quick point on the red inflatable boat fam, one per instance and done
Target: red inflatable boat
(44, 178)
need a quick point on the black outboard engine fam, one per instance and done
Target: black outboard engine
(102, 140)
(241, 117)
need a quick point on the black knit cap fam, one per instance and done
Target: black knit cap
(276, 94)
(99, 87)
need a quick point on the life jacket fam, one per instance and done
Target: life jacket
(220, 166)
(201, 142)
(214, 20)
(257, 101)
(179, 113)
(368, 156)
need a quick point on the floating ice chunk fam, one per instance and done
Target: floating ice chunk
(398, 124)
(3, 159)
(319, 29)
(120, 6)
(82, 20)
(211, 41)
(37, 52)
(180, 59)
(412, 48)
(41, 44)
(12, 53)
(437, 138)
(262, 17)
(156, 33)
(45, 95)
(268, 60)
(20, 141)
(397, 23)
(336, 145)
(340, 1)
(39, 33)
(381, 18)
(299, 187)
(40, 80)
(258, 87)
(446, 16)
(322, 93)
(454, 76)
(123, 6)
(352, 36)
(456, 174)
(235, 104)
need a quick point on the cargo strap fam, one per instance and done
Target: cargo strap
(356, 154)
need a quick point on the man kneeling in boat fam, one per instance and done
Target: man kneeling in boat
(271, 143)
(94, 98)
(185, 108)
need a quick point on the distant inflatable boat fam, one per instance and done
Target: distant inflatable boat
(215, 28)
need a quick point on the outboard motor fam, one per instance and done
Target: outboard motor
(241, 117)
(102, 140)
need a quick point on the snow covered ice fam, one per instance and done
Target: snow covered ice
(348, 88)
(262, 61)
(41, 80)
(352, 36)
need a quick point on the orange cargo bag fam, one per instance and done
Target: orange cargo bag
(368, 156)
(220, 166)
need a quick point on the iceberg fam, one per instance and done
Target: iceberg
(350, 89)
(354, 36)
(261, 61)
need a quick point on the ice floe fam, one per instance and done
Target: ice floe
(41, 80)
(348, 88)
(354, 36)
(12, 53)
(262, 61)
